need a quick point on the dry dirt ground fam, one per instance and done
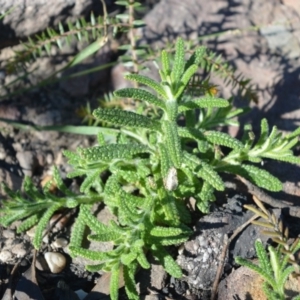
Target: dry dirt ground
(261, 39)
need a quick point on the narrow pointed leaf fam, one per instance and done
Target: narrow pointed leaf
(140, 95)
(179, 62)
(125, 118)
(148, 82)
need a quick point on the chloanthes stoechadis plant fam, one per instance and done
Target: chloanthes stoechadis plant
(147, 164)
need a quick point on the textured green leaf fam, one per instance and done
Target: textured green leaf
(128, 258)
(161, 231)
(294, 134)
(185, 80)
(208, 174)
(264, 132)
(78, 229)
(170, 210)
(38, 237)
(76, 173)
(258, 176)
(192, 133)
(169, 241)
(128, 273)
(173, 142)
(222, 139)
(179, 62)
(256, 268)
(207, 102)
(12, 216)
(114, 282)
(141, 258)
(284, 276)
(92, 221)
(165, 64)
(107, 153)
(207, 192)
(28, 223)
(148, 82)
(90, 180)
(90, 254)
(60, 184)
(167, 261)
(196, 57)
(125, 118)
(263, 257)
(140, 95)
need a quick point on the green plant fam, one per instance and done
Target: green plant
(274, 265)
(159, 157)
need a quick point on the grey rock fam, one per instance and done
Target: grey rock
(201, 255)
(27, 161)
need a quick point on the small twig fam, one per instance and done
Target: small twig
(223, 254)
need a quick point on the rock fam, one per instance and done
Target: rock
(56, 261)
(249, 286)
(60, 243)
(151, 297)
(12, 180)
(20, 250)
(201, 254)
(27, 161)
(5, 256)
(8, 233)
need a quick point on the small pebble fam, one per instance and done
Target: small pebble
(31, 232)
(27, 161)
(5, 255)
(9, 234)
(60, 243)
(56, 261)
(19, 250)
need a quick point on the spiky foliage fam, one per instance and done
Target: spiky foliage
(95, 32)
(274, 264)
(131, 59)
(34, 207)
(81, 30)
(153, 164)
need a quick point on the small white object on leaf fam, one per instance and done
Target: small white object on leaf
(171, 181)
